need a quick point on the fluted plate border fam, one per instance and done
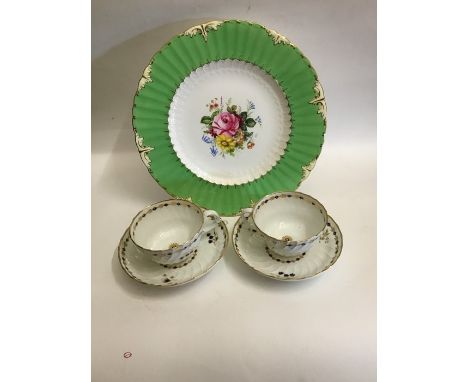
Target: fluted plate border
(214, 41)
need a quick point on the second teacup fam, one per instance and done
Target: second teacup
(169, 231)
(289, 222)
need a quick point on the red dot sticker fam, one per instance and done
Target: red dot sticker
(127, 354)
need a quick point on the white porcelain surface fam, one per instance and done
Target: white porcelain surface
(141, 268)
(289, 222)
(292, 217)
(253, 250)
(323, 330)
(169, 231)
(168, 225)
(241, 82)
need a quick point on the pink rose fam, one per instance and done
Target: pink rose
(225, 123)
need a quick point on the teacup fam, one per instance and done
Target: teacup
(169, 231)
(289, 222)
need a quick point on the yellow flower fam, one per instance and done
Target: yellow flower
(225, 143)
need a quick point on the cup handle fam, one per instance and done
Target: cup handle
(246, 212)
(212, 219)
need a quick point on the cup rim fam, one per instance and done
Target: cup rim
(320, 206)
(131, 227)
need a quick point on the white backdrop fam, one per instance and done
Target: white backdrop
(234, 325)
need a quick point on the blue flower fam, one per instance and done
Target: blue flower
(259, 120)
(214, 151)
(250, 105)
(207, 139)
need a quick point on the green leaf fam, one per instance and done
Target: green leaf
(250, 122)
(232, 109)
(243, 115)
(215, 113)
(206, 120)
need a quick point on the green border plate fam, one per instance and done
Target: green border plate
(219, 40)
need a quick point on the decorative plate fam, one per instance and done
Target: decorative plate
(228, 112)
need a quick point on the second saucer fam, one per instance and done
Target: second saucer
(287, 236)
(252, 250)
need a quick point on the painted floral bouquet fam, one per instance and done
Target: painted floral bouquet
(229, 130)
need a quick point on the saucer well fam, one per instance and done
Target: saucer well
(141, 268)
(251, 248)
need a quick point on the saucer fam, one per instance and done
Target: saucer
(141, 268)
(251, 248)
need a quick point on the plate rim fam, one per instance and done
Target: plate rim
(203, 29)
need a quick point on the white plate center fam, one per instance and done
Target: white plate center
(229, 122)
